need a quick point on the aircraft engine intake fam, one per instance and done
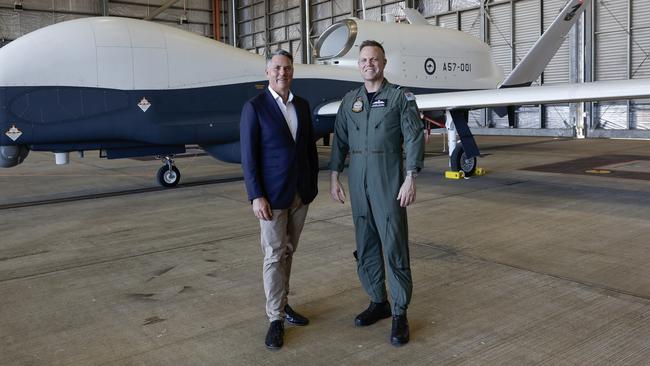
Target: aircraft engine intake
(11, 156)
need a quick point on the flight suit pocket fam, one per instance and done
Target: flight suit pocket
(389, 119)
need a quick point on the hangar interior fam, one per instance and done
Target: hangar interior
(611, 42)
(542, 261)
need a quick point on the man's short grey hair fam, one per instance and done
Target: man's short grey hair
(278, 52)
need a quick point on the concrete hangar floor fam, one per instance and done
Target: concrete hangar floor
(536, 263)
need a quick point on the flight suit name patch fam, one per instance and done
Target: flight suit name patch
(379, 103)
(358, 105)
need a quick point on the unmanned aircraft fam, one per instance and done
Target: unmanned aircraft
(131, 88)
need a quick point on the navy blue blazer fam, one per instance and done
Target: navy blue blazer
(275, 166)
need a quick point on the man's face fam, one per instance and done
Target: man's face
(279, 71)
(371, 63)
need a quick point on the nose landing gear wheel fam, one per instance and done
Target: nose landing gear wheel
(168, 177)
(460, 161)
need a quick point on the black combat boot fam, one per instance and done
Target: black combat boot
(399, 333)
(375, 312)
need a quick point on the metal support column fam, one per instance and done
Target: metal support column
(483, 33)
(233, 22)
(542, 107)
(305, 24)
(575, 109)
(216, 19)
(104, 6)
(267, 28)
(588, 76)
(629, 60)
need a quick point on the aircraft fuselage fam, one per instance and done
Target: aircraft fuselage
(133, 88)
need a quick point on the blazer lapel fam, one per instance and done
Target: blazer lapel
(300, 113)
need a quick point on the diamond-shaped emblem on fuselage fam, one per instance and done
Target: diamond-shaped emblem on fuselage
(144, 104)
(13, 133)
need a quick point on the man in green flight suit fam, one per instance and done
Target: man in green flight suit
(375, 124)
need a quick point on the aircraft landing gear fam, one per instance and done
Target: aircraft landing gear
(168, 175)
(459, 161)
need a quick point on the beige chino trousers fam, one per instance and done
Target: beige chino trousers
(279, 239)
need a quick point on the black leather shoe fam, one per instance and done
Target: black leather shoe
(375, 312)
(399, 333)
(293, 317)
(275, 335)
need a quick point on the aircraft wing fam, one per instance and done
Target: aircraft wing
(547, 94)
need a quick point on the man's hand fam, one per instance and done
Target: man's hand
(406, 194)
(336, 189)
(262, 209)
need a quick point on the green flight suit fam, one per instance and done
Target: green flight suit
(375, 134)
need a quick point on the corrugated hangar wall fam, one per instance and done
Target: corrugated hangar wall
(613, 42)
(19, 17)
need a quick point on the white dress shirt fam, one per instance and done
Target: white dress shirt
(288, 111)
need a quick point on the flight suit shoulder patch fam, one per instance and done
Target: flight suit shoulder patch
(409, 96)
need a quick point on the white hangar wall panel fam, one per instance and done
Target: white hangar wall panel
(611, 59)
(526, 30)
(640, 61)
(448, 20)
(621, 51)
(470, 22)
(610, 40)
(500, 35)
(640, 39)
(500, 38)
(556, 72)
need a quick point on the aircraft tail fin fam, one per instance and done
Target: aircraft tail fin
(535, 61)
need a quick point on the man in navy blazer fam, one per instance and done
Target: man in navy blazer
(280, 167)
